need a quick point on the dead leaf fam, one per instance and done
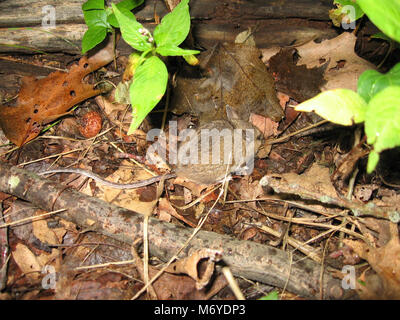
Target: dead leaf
(344, 65)
(386, 263)
(294, 78)
(41, 101)
(202, 259)
(230, 74)
(267, 126)
(165, 207)
(27, 261)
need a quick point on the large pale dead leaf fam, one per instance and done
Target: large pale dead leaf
(27, 261)
(386, 263)
(336, 51)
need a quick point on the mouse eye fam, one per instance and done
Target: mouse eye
(191, 125)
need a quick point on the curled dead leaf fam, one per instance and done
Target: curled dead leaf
(191, 266)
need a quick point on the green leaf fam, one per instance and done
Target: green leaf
(112, 19)
(373, 160)
(125, 7)
(371, 82)
(271, 296)
(96, 18)
(130, 31)
(382, 119)
(385, 14)
(175, 51)
(92, 37)
(129, 4)
(93, 4)
(341, 106)
(174, 27)
(147, 89)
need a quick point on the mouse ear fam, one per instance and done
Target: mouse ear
(231, 114)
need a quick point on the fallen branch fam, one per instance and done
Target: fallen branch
(283, 186)
(245, 258)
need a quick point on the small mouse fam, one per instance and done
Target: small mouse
(238, 142)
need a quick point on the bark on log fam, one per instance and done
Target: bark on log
(25, 13)
(212, 22)
(245, 258)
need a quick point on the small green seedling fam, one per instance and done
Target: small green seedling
(150, 74)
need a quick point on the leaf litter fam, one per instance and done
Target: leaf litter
(330, 64)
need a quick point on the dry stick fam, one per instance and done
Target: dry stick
(282, 139)
(150, 289)
(175, 256)
(142, 272)
(52, 156)
(232, 283)
(307, 250)
(247, 259)
(302, 221)
(34, 218)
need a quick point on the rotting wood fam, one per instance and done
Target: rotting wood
(211, 22)
(67, 38)
(245, 258)
(26, 13)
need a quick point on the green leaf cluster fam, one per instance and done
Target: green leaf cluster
(100, 20)
(376, 103)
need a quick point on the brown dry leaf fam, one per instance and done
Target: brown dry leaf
(250, 190)
(44, 233)
(195, 188)
(165, 208)
(386, 263)
(27, 261)
(118, 113)
(202, 259)
(96, 286)
(267, 126)
(41, 101)
(334, 51)
(47, 236)
(229, 74)
(294, 78)
(171, 4)
(173, 287)
(315, 180)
